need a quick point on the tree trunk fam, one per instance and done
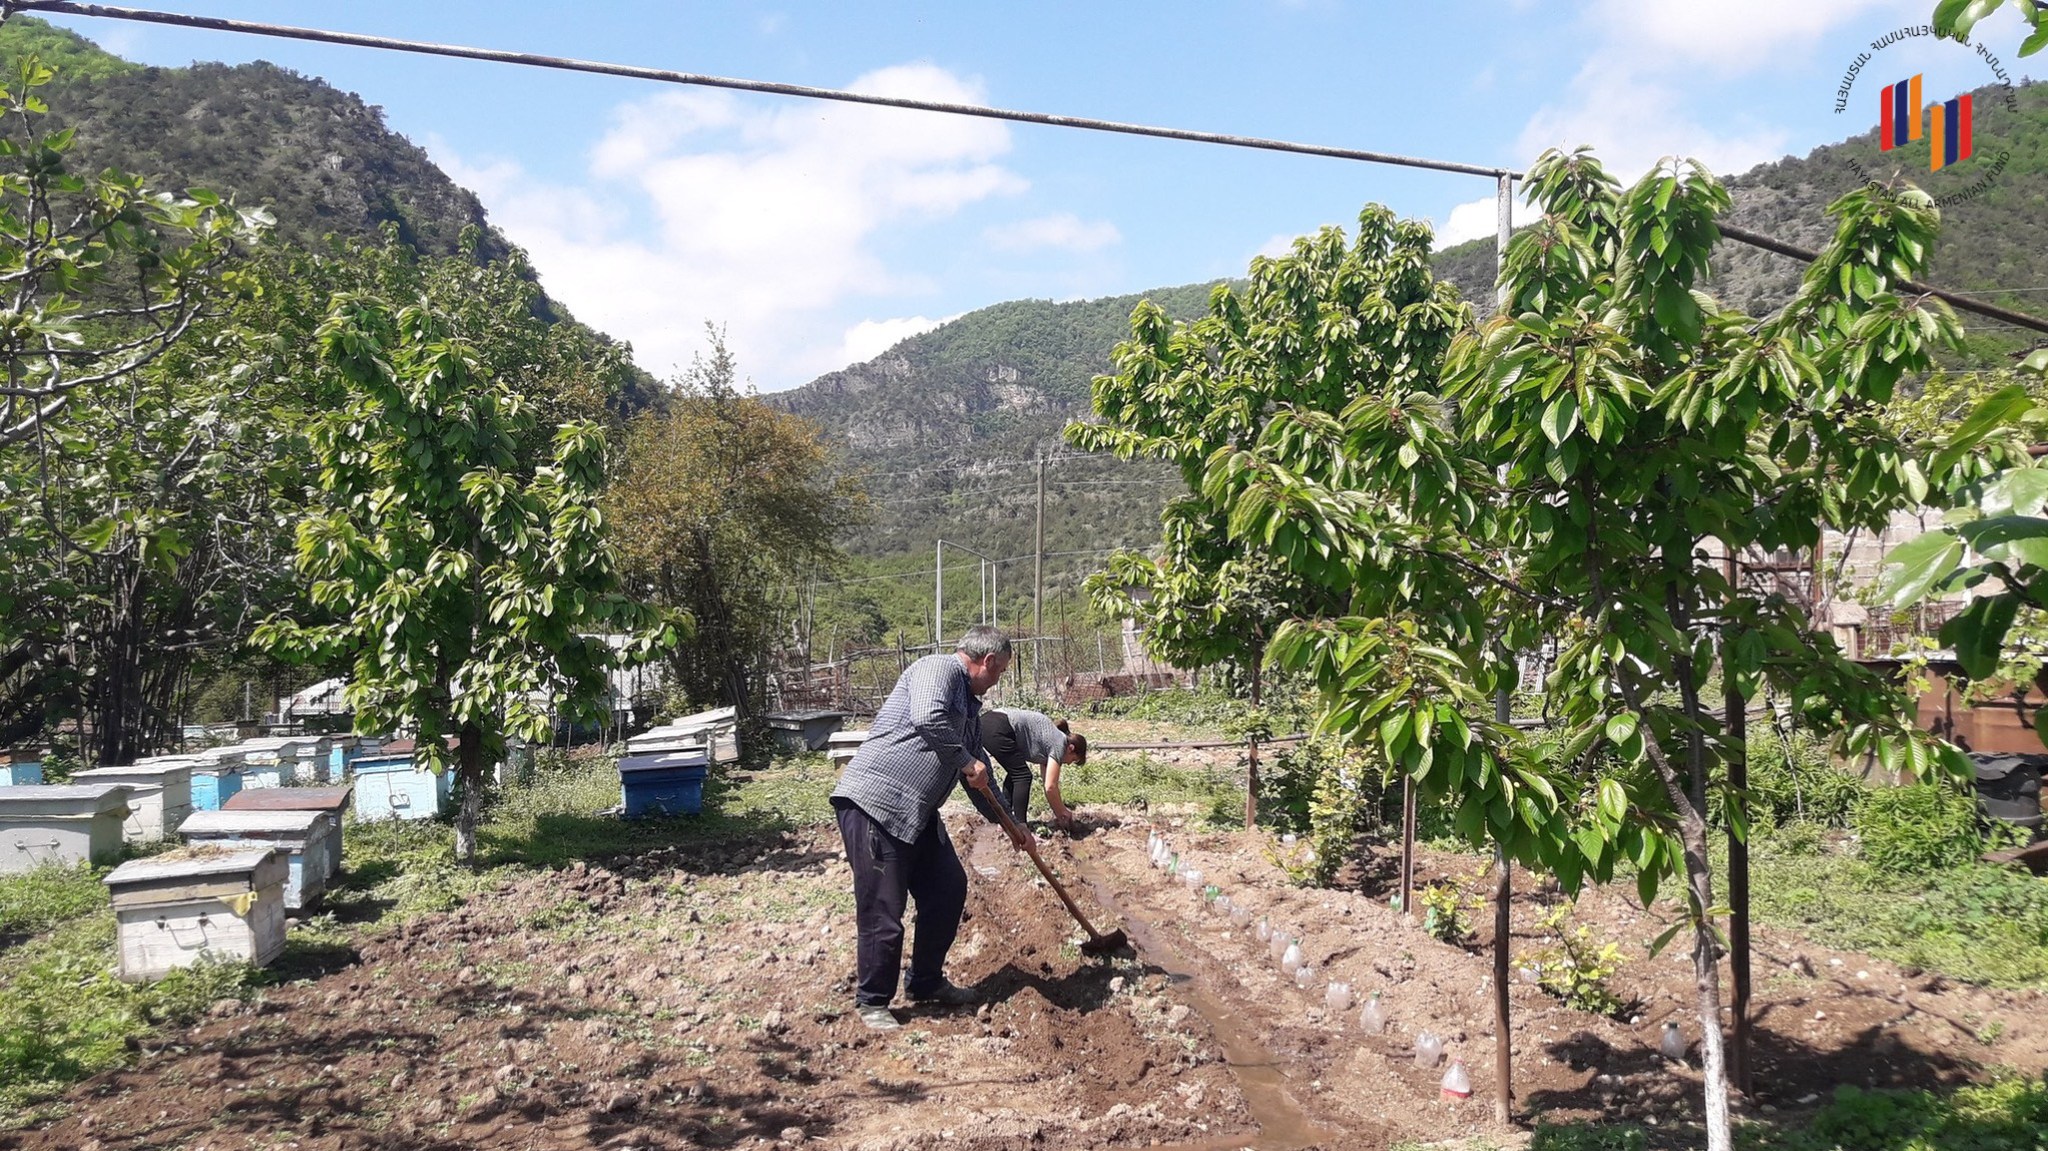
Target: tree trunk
(1689, 799)
(1707, 981)
(469, 773)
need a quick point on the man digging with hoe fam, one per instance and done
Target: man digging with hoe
(925, 740)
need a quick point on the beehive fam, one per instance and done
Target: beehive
(716, 731)
(173, 910)
(19, 767)
(60, 824)
(332, 800)
(308, 840)
(309, 758)
(263, 762)
(840, 746)
(666, 784)
(389, 787)
(805, 730)
(340, 749)
(217, 776)
(159, 796)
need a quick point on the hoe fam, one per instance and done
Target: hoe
(1098, 943)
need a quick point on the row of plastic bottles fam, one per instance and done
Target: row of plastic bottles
(1284, 945)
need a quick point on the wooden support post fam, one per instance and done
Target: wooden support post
(1407, 844)
(1503, 1034)
(1736, 713)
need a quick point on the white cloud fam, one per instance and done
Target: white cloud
(763, 218)
(1276, 246)
(1630, 97)
(1475, 219)
(870, 338)
(1064, 231)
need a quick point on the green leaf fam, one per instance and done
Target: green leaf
(1621, 727)
(1917, 565)
(1995, 411)
(1665, 937)
(1561, 417)
(1978, 633)
(1613, 801)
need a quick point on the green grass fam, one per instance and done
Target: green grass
(41, 899)
(1122, 778)
(1976, 923)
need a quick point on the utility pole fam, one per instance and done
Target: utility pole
(1038, 558)
(938, 593)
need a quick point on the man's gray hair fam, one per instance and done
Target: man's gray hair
(982, 641)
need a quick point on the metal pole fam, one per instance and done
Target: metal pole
(938, 594)
(1503, 702)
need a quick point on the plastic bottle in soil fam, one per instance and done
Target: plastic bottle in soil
(1264, 930)
(1220, 905)
(1672, 1043)
(1240, 915)
(1372, 1018)
(1429, 1050)
(1304, 977)
(1290, 959)
(1457, 1084)
(1337, 996)
(1277, 944)
(1193, 877)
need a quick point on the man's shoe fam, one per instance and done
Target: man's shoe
(878, 1018)
(946, 994)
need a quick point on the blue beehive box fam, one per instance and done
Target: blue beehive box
(20, 768)
(668, 784)
(389, 787)
(216, 777)
(340, 750)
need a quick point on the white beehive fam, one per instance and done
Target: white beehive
(173, 910)
(159, 796)
(840, 746)
(61, 824)
(308, 839)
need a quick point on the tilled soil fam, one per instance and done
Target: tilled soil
(687, 998)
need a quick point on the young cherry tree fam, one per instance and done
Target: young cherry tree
(1571, 474)
(464, 590)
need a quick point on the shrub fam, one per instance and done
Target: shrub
(1447, 911)
(1327, 793)
(1917, 829)
(1576, 967)
(1796, 780)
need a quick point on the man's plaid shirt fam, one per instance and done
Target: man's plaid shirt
(923, 737)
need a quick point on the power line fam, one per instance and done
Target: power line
(670, 76)
(769, 87)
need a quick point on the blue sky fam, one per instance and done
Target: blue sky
(818, 234)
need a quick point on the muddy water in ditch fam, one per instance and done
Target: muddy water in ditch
(1282, 1124)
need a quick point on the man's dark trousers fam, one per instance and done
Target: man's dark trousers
(886, 870)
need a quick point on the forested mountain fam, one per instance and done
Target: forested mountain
(947, 422)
